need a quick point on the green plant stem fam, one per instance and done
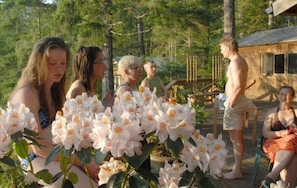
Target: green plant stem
(28, 158)
(192, 182)
(87, 172)
(123, 185)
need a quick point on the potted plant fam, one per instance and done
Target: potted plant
(130, 132)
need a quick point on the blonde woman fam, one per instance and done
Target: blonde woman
(41, 88)
(130, 69)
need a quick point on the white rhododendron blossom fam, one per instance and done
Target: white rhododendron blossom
(16, 118)
(109, 168)
(4, 141)
(209, 154)
(175, 121)
(74, 125)
(170, 175)
(122, 129)
(118, 132)
(278, 184)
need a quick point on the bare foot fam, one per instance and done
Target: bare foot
(232, 175)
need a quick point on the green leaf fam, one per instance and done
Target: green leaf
(84, 155)
(198, 173)
(137, 160)
(56, 150)
(67, 184)
(147, 174)
(17, 137)
(99, 156)
(64, 163)
(56, 177)
(187, 176)
(32, 136)
(175, 146)
(73, 177)
(68, 152)
(22, 148)
(116, 180)
(207, 183)
(7, 160)
(136, 181)
(45, 175)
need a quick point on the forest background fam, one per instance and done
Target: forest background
(166, 29)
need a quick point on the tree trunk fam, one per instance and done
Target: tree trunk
(229, 18)
(270, 17)
(108, 81)
(140, 35)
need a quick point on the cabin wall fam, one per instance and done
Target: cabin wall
(267, 86)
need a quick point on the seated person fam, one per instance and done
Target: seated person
(41, 89)
(130, 70)
(153, 81)
(280, 143)
(88, 67)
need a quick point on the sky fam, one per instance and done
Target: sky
(48, 1)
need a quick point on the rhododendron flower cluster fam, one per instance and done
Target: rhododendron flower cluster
(123, 129)
(73, 126)
(16, 118)
(109, 168)
(170, 175)
(207, 153)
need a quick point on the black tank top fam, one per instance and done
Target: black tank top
(277, 126)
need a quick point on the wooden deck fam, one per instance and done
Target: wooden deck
(249, 155)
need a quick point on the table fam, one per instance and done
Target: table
(251, 109)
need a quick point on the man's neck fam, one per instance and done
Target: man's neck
(232, 56)
(151, 76)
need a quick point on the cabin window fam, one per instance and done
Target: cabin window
(279, 63)
(292, 63)
(267, 60)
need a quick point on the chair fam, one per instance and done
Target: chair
(258, 156)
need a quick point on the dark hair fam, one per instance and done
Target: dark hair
(230, 42)
(82, 66)
(290, 88)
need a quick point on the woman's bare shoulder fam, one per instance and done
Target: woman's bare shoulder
(76, 88)
(28, 96)
(271, 111)
(28, 92)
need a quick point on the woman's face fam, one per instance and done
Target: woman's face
(56, 64)
(135, 72)
(285, 96)
(99, 66)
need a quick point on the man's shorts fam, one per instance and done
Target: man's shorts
(234, 117)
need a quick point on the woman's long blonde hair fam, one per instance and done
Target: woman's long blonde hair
(36, 72)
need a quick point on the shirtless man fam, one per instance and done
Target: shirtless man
(236, 102)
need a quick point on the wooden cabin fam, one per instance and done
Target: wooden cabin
(272, 59)
(283, 7)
